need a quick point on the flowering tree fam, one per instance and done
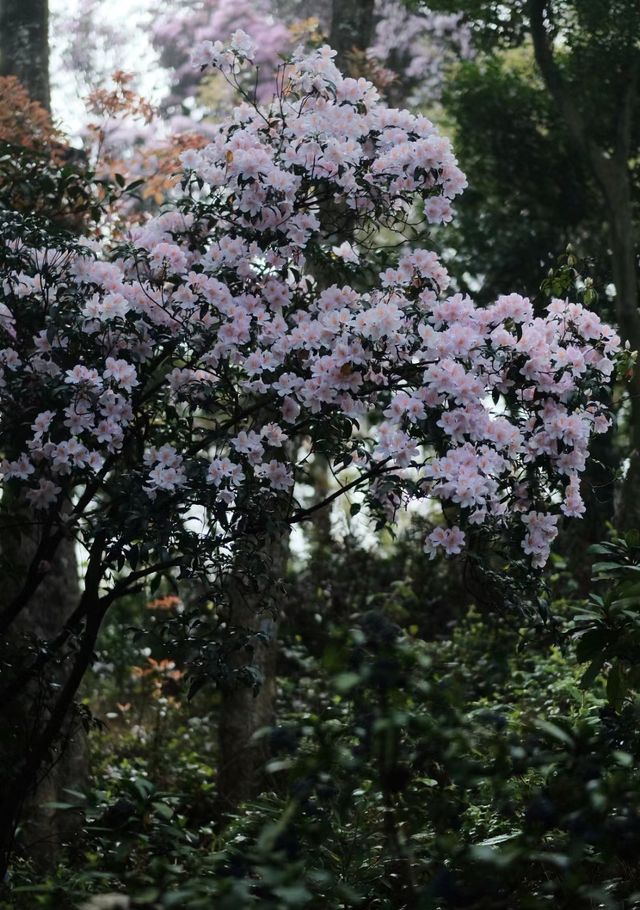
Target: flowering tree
(408, 57)
(417, 46)
(177, 31)
(159, 402)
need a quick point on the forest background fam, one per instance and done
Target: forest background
(378, 728)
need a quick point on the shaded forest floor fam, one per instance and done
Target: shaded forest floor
(466, 768)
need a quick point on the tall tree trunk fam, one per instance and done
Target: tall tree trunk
(24, 53)
(248, 701)
(352, 25)
(245, 709)
(44, 829)
(621, 504)
(616, 187)
(610, 170)
(24, 45)
(624, 266)
(320, 524)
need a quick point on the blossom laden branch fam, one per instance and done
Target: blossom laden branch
(173, 372)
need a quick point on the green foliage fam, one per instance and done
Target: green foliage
(529, 150)
(426, 755)
(65, 196)
(469, 769)
(608, 630)
(517, 210)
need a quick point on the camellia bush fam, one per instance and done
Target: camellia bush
(160, 398)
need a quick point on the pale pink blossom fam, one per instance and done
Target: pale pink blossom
(451, 540)
(277, 474)
(44, 495)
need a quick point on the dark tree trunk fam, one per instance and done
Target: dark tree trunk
(246, 707)
(28, 711)
(610, 170)
(48, 637)
(244, 710)
(24, 45)
(352, 27)
(624, 260)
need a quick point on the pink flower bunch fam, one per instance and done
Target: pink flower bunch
(451, 540)
(541, 532)
(418, 46)
(178, 372)
(188, 40)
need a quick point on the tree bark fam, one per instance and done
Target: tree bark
(47, 649)
(24, 45)
(28, 713)
(248, 704)
(611, 172)
(352, 25)
(624, 266)
(245, 710)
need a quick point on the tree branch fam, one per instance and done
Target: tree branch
(34, 576)
(625, 119)
(562, 97)
(304, 514)
(93, 578)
